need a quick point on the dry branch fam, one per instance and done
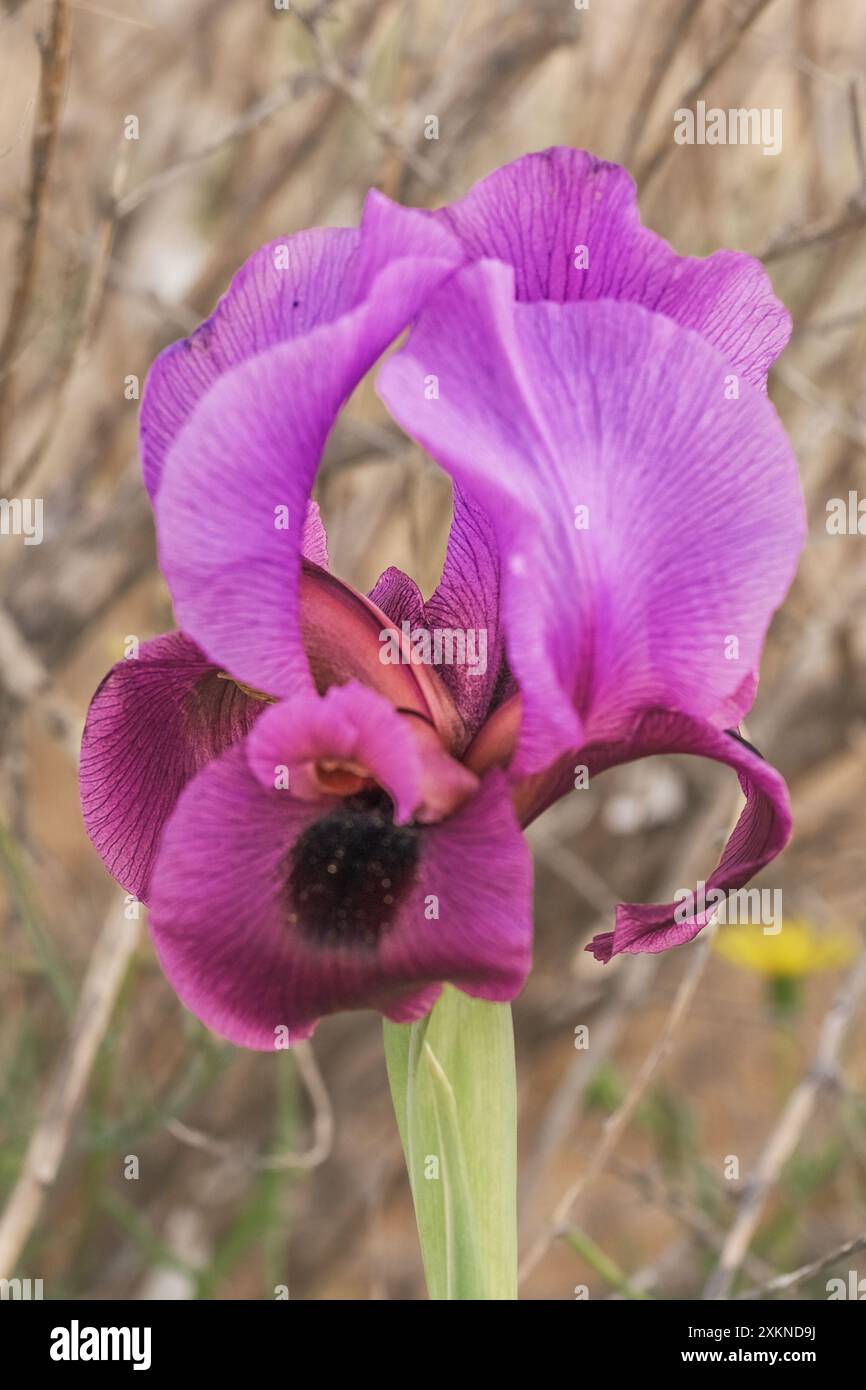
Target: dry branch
(54, 60)
(239, 1155)
(111, 956)
(724, 49)
(619, 1120)
(784, 1282)
(788, 1132)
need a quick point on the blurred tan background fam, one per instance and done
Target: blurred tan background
(717, 1120)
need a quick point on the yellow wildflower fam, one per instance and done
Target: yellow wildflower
(799, 949)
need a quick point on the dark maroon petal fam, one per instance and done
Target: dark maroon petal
(153, 722)
(762, 831)
(262, 911)
(467, 598)
(398, 596)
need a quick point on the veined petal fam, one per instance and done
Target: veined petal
(762, 831)
(285, 291)
(314, 541)
(398, 596)
(154, 721)
(467, 599)
(569, 225)
(253, 938)
(236, 479)
(647, 525)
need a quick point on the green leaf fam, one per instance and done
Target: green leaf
(453, 1084)
(461, 1251)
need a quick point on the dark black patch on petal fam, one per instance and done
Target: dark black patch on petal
(348, 872)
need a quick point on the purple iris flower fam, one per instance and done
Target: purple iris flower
(315, 829)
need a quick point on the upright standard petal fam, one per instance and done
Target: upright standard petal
(271, 909)
(569, 225)
(287, 289)
(648, 525)
(284, 291)
(236, 480)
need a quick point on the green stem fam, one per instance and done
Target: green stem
(453, 1085)
(603, 1264)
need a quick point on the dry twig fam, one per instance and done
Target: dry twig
(788, 1132)
(111, 956)
(782, 1283)
(240, 1155)
(618, 1122)
(54, 60)
(723, 50)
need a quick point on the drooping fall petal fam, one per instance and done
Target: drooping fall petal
(153, 723)
(761, 832)
(271, 938)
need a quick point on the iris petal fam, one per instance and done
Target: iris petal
(236, 479)
(647, 524)
(153, 723)
(223, 925)
(762, 831)
(568, 224)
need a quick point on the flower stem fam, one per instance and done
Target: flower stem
(453, 1085)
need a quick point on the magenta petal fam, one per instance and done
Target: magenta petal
(648, 526)
(468, 598)
(235, 485)
(221, 924)
(350, 725)
(153, 722)
(352, 736)
(314, 541)
(398, 596)
(478, 865)
(762, 831)
(285, 291)
(537, 213)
